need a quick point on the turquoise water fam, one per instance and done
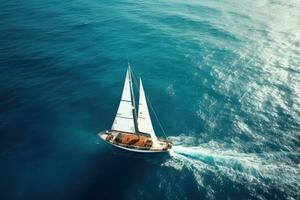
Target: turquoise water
(223, 76)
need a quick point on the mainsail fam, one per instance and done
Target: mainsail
(124, 120)
(144, 120)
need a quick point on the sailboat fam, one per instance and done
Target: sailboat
(132, 130)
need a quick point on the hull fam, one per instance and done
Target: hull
(104, 134)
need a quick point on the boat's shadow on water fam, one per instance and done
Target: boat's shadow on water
(114, 172)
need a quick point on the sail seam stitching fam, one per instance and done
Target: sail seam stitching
(125, 117)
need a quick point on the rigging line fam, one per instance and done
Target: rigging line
(134, 79)
(135, 82)
(156, 117)
(159, 123)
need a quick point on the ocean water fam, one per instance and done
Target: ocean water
(223, 77)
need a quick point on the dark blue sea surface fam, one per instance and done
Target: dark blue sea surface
(223, 77)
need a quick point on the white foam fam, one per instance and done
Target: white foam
(247, 168)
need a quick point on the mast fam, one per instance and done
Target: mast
(133, 100)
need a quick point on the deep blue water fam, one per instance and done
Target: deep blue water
(223, 76)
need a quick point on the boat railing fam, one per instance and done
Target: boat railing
(132, 146)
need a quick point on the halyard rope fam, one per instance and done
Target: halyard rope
(135, 84)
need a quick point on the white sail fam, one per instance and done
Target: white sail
(124, 120)
(144, 120)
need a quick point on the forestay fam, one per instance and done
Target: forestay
(124, 118)
(144, 120)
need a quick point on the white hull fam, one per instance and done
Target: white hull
(102, 135)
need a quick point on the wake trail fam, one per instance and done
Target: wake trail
(217, 158)
(250, 169)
